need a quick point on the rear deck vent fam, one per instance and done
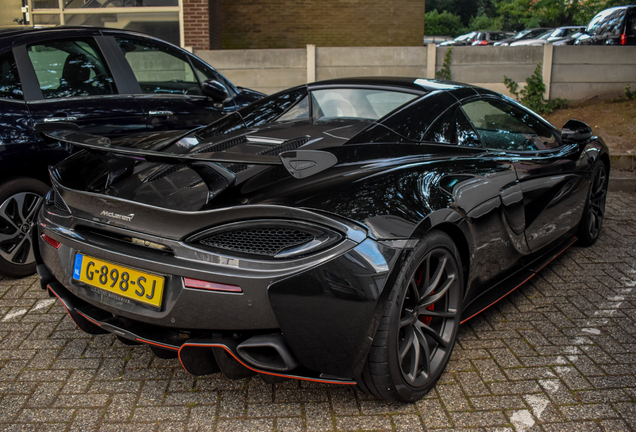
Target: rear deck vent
(164, 172)
(195, 184)
(258, 241)
(288, 145)
(221, 146)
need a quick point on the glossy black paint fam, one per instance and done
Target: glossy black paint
(506, 209)
(24, 153)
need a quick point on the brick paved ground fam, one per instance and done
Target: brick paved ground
(556, 355)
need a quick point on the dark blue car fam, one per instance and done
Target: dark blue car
(106, 82)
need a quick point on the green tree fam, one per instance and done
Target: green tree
(484, 22)
(464, 9)
(442, 24)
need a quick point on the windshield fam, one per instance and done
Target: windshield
(350, 103)
(465, 37)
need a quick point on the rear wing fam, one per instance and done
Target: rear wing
(299, 163)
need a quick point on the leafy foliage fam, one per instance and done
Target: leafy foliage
(445, 73)
(484, 22)
(464, 9)
(445, 23)
(629, 93)
(532, 94)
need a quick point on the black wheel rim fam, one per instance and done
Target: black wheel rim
(429, 318)
(17, 219)
(596, 207)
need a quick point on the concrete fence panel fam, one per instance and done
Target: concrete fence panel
(266, 70)
(571, 72)
(370, 61)
(581, 72)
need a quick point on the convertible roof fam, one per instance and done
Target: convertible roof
(422, 85)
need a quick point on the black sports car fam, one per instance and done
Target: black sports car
(337, 232)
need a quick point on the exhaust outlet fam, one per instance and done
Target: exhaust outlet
(268, 352)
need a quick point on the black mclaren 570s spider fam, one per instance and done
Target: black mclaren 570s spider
(337, 232)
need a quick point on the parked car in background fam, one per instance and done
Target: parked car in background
(524, 34)
(563, 33)
(107, 82)
(538, 40)
(551, 36)
(427, 40)
(463, 40)
(336, 232)
(613, 26)
(490, 37)
(570, 39)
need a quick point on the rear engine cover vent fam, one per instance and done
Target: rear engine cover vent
(165, 172)
(272, 239)
(221, 146)
(285, 146)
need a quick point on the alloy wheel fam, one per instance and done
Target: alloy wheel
(429, 317)
(17, 219)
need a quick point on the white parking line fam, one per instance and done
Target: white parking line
(15, 314)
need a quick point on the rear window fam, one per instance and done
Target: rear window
(365, 104)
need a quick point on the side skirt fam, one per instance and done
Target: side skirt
(514, 281)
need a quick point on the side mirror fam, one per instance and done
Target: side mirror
(214, 90)
(575, 130)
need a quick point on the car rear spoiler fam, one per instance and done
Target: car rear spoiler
(299, 163)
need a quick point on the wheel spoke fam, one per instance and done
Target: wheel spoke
(7, 215)
(405, 345)
(34, 207)
(429, 331)
(431, 299)
(18, 250)
(426, 370)
(439, 272)
(415, 360)
(407, 319)
(433, 313)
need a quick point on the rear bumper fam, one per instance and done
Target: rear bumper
(323, 309)
(193, 351)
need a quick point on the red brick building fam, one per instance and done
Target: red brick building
(252, 24)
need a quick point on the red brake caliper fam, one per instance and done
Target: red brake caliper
(425, 319)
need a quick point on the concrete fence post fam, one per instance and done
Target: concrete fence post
(548, 53)
(431, 60)
(311, 63)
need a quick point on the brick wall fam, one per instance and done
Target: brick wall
(196, 24)
(216, 20)
(249, 24)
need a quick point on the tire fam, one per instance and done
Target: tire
(417, 331)
(19, 200)
(594, 210)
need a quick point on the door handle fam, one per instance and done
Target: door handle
(160, 113)
(60, 119)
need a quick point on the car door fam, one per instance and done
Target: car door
(69, 79)
(168, 85)
(549, 172)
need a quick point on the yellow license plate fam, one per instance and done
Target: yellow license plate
(123, 281)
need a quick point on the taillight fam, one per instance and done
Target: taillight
(210, 286)
(56, 244)
(480, 43)
(623, 39)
